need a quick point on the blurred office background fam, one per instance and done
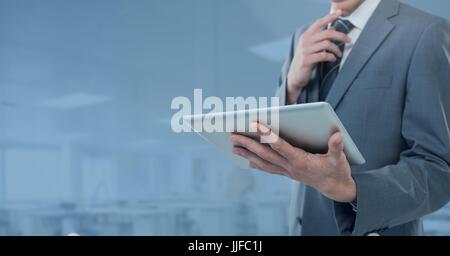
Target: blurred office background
(85, 93)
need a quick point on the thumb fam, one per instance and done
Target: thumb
(335, 145)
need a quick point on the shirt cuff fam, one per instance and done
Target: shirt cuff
(354, 205)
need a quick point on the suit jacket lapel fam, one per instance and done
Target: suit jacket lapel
(373, 35)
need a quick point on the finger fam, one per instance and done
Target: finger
(320, 57)
(260, 150)
(257, 162)
(261, 128)
(325, 45)
(265, 132)
(323, 22)
(268, 169)
(331, 35)
(278, 144)
(336, 145)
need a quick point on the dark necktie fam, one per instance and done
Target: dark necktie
(329, 70)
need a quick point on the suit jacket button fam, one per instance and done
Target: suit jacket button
(300, 220)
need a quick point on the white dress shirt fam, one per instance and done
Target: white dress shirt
(359, 19)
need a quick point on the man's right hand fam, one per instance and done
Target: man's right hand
(315, 46)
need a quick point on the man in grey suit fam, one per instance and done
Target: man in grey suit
(384, 67)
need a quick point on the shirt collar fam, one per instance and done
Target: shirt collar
(362, 14)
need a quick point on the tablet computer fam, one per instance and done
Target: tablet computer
(307, 126)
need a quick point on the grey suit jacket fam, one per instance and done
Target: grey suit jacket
(393, 96)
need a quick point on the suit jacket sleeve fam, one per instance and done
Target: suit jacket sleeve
(419, 183)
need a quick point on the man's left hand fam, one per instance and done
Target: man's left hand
(329, 173)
